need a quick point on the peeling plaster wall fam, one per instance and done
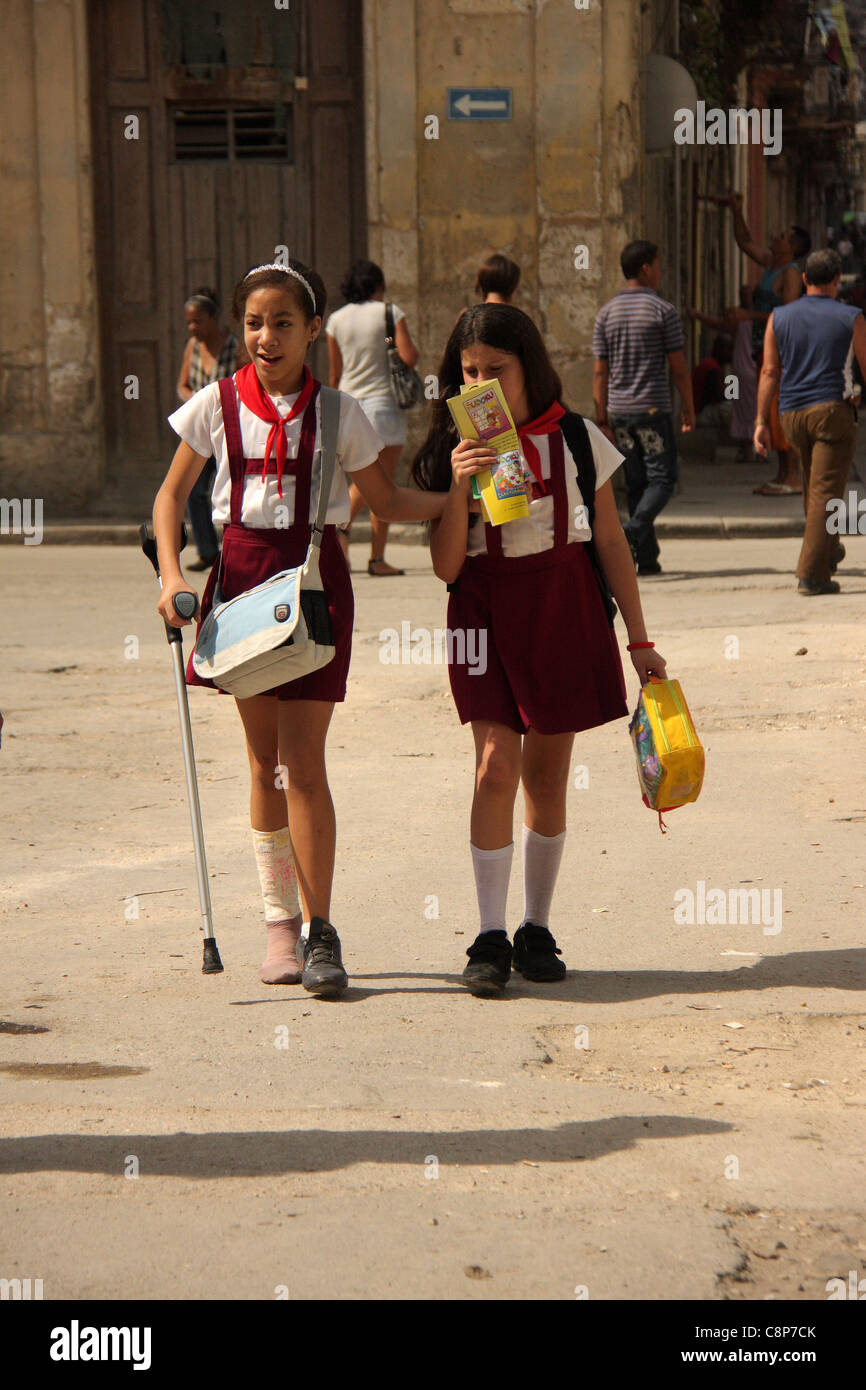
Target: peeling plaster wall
(564, 172)
(50, 424)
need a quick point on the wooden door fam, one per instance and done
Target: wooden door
(221, 131)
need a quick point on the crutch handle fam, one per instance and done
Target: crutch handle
(185, 604)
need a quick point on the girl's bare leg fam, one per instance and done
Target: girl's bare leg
(546, 764)
(268, 809)
(389, 458)
(303, 728)
(497, 774)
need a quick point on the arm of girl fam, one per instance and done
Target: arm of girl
(391, 503)
(335, 361)
(618, 565)
(183, 387)
(168, 512)
(403, 342)
(449, 535)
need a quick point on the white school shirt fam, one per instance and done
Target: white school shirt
(530, 534)
(359, 332)
(199, 422)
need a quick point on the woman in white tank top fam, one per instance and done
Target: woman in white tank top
(359, 366)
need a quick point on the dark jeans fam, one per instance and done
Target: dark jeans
(198, 510)
(649, 445)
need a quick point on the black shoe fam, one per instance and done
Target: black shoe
(321, 960)
(649, 569)
(810, 587)
(535, 954)
(203, 564)
(489, 966)
(838, 556)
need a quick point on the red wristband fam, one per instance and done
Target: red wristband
(633, 646)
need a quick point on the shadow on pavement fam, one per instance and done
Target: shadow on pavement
(254, 1153)
(799, 970)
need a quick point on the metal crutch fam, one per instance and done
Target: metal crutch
(185, 605)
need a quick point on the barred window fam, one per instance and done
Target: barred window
(231, 133)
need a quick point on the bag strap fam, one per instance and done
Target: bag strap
(577, 438)
(330, 422)
(389, 321)
(234, 446)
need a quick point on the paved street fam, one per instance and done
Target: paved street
(683, 1117)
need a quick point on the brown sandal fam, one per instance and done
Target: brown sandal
(377, 574)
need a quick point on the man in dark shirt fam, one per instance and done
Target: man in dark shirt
(811, 344)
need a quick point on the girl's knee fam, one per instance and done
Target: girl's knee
(545, 783)
(307, 775)
(264, 767)
(498, 771)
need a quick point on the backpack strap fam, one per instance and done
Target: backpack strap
(330, 422)
(234, 446)
(576, 436)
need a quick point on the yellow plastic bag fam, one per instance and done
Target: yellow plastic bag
(670, 758)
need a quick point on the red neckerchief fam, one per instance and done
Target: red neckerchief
(542, 424)
(256, 399)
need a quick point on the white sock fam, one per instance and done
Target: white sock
(492, 872)
(305, 931)
(541, 859)
(275, 861)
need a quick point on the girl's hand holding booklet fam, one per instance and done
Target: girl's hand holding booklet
(481, 412)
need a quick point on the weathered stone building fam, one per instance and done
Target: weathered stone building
(149, 146)
(131, 173)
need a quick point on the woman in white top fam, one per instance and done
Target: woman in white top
(359, 366)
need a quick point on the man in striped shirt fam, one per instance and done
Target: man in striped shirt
(637, 334)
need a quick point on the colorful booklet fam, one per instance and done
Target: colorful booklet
(481, 412)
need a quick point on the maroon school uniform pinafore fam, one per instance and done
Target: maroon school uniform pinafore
(553, 662)
(252, 554)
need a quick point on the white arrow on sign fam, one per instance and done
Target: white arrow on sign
(467, 104)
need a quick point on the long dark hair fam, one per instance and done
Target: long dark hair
(497, 326)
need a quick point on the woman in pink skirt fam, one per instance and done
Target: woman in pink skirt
(534, 592)
(263, 427)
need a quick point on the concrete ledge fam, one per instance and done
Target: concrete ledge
(90, 533)
(728, 528)
(670, 528)
(746, 527)
(76, 532)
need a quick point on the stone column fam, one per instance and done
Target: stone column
(50, 431)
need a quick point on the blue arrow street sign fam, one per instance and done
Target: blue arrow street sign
(479, 103)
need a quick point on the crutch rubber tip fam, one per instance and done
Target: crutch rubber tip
(211, 963)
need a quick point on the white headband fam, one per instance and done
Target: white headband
(286, 270)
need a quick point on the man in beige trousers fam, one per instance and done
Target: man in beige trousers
(811, 344)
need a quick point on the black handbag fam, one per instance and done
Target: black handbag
(406, 385)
